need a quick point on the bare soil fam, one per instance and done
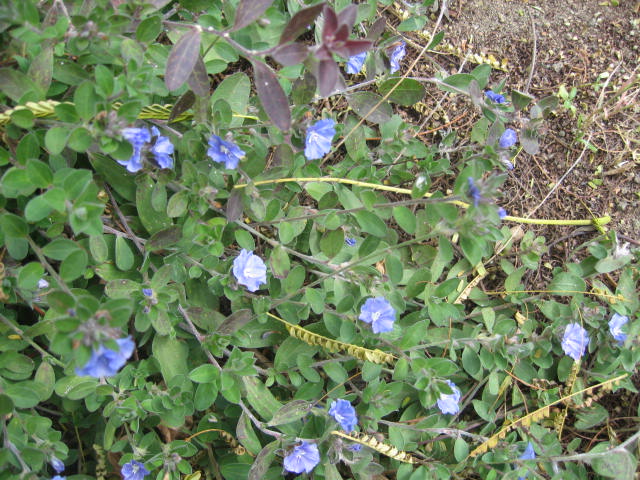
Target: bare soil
(586, 44)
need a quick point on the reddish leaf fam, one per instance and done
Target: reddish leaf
(330, 24)
(352, 47)
(376, 29)
(234, 206)
(327, 76)
(299, 22)
(184, 103)
(272, 97)
(291, 54)
(182, 59)
(248, 11)
(199, 80)
(347, 16)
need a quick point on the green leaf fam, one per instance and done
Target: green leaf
(370, 223)
(407, 93)
(124, 255)
(13, 226)
(46, 378)
(23, 118)
(520, 100)
(205, 374)
(461, 81)
(363, 102)
(172, 355)
(98, 248)
(234, 90)
(565, 283)
(617, 463)
(332, 242)
(291, 412)
(247, 436)
(472, 249)
(22, 394)
(56, 139)
(16, 182)
(279, 262)
(41, 68)
(85, 100)
(74, 265)
(262, 461)
(178, 204)
(80, 139)
(149, 29)
(16, 85)
(120, 182)
(152, 220)
(164, 238)
(405, 218)
(234, 322)
(121, 288)
(75, 388)
(295, 279)
(29, 276)
(6, 404)
(39, 173)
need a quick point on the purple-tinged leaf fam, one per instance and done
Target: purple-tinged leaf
(291, 54)
(376, 29)
(182, 59)
(299, 23)
(184, 103)
(327, 77)
(263, 461)
(234, 322)
(347, 16)
(234, 206)
(272, 97)
(330, 24)
(341, 34)
(363, 104)
(352, 47)
(199, 79)
(248, 11)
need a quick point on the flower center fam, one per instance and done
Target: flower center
(375, 316)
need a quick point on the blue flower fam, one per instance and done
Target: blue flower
(529, 454)
(508, 138)
(137, 137)
(58, 477)
(449, 403)
(494, 97)
(147, 292)
(343, 412)
(356, 62)
(57, 464)
(615, 327)
(318, 141)
(42, 283)
(350, 241)
(355, 447)
(134, 470)
(474, 193)
(303, 458)
(396, 56)
(105, 362)
(162, 149)
(575, 341)
(379, 313)
(250, 270)
(225, 152)
(502, 213)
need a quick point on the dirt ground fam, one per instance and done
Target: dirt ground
(587, 44)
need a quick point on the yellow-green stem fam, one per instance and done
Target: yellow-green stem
(597, 222)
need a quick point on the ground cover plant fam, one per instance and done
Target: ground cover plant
(230, 251)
